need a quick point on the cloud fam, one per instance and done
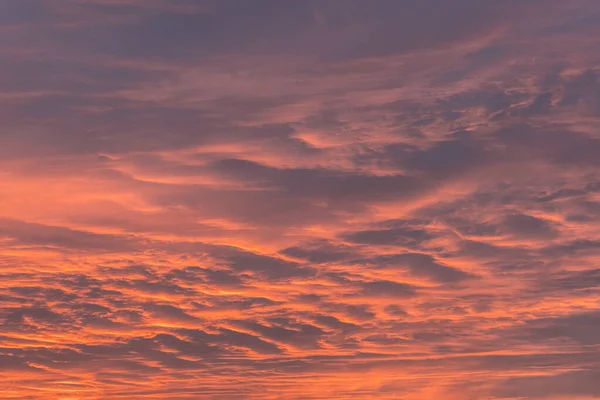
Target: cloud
(575, 383)
(170, 313)
(404, 236)
(421, 265)
(579, 327)
(234, 338)
(386, 288)
(24, 233)
(272, 267)
(316, 199)
(303, 336)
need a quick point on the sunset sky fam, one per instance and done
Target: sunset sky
(299, 199)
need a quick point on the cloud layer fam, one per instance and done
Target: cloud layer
(299, 199)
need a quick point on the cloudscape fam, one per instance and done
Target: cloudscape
(299, 199)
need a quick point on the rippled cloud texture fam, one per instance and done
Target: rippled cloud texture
(272, 199)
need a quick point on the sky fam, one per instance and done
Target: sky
(285, 199)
